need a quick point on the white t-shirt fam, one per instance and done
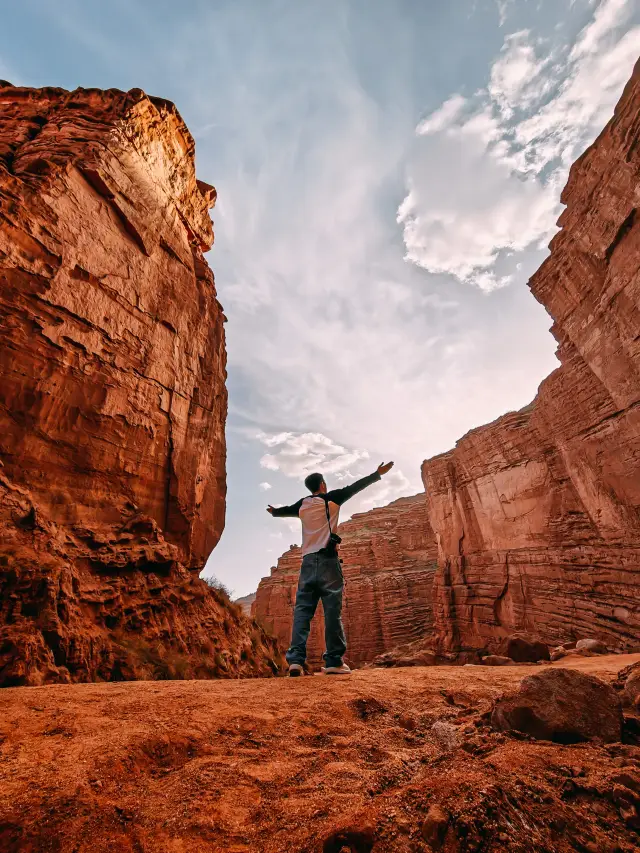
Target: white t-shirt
(315, 528)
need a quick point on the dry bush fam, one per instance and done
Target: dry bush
(221, 592)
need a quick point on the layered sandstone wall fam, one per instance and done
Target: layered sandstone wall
(389, 557)
(537, 515)
(112, 390)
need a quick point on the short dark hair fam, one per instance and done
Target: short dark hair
(313, 482)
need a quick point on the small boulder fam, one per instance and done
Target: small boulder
(360, 838)
(445, 734)
(410, 654)
(497, 660)
(558, 653)
(407, 722)
(434, 827)
(467, 657)
(561, 705)
(628, 802)
(524, 648)
(597, 647)
(632, 689)
(629, 778)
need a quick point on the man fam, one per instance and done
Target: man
(321, 572)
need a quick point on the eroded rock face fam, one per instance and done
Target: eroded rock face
(537, 515)
(112, 393)
(388, 558)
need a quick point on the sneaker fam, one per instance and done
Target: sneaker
(336, 670)
(295, 669)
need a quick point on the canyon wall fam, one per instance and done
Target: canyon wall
(537, 515)
(389, 557)
(112, 395)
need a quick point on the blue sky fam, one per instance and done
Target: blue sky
(388, 175)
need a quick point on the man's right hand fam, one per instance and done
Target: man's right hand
(383, 467)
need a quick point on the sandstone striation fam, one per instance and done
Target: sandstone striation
(537, 515)
(112, 396)
(389, 556)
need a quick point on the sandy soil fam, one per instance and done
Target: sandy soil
(308, 764)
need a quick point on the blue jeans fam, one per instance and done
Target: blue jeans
(320, 578)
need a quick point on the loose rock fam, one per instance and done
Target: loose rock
(523, 648)
(632, 689)
(595, 646)
(445, 734)
(434, 828)
(561, 705)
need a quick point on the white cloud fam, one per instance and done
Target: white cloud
(583, 104)
(465, 206)
(393, 485)
(442, 117)
(265, 486)
(294, 528)
(608, 17)
(503, 10)
(516, 80)
(487, 171)
(299, 454)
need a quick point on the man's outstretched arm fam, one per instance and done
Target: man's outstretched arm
(339, 496)
(292, 511)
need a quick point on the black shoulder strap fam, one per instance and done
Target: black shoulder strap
(326, 507)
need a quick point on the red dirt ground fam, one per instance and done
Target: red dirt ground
(302, 765)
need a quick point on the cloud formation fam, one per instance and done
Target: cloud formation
(503, 10)
(342, 354)
(297, 455)
(485, 178)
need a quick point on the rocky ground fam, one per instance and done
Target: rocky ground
(387, 760)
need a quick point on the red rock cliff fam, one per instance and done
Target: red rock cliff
(389, 557)
(112, 392)
(537, 515)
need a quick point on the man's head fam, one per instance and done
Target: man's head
(316, 484)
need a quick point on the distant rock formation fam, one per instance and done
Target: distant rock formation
(246, 602)
(537, 515)
(389, 557)
(112, 397)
